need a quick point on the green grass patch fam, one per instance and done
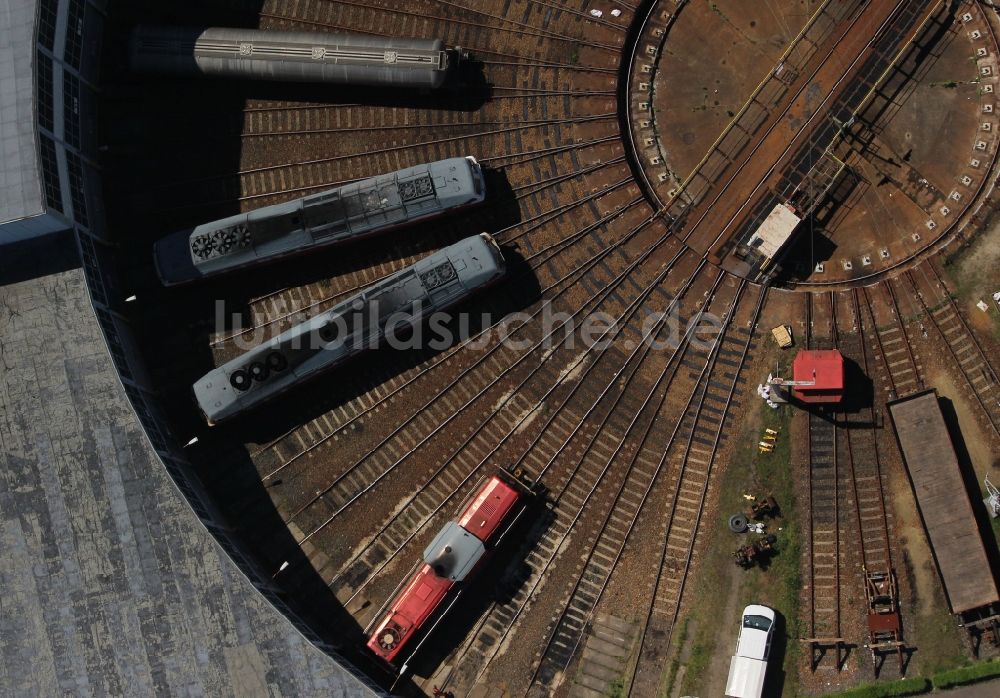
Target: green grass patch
(904, 687)
(967, 674)
(935, 635)
(697, 663)
(919, 685)
(616, 689)
(973, 275)
(675, 663)
(718, 579)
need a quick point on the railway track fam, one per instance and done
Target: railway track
(454, 28)
(587, 265)
(824, 476)
(865, 461)
(586, 450)
(902, 371)
(608, 545)
(817, 132)
(538, 346)
(571, 500)
(697, 439)
(739, 157)
(873, 518)
(850, 525)
(274, 181)
(964, 348)
(516, 360)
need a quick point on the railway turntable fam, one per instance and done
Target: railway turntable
(947, 515)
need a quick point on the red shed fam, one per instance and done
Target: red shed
(826, 368)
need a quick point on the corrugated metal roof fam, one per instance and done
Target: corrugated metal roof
(20, 176)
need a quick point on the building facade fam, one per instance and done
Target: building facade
(47, 90)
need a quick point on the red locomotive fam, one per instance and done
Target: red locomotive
(451, 558)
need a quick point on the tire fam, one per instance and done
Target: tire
(738, 523)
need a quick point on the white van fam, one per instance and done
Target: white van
(749, 665)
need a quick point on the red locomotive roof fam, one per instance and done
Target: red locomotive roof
(409, 611)
(826, 367)
(455, 554)
(488, 510)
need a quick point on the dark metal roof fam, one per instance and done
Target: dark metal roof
(943, 501)
(111, 585)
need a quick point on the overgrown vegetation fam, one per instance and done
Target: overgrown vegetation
(934, 633)
(616, 689)
(973, 276)
(967, 674)
(675, 663)
(906, 687)
(775, 584)
(919, 685)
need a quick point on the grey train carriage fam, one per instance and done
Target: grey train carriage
(352, 326)
(353, 211)
(342, 59)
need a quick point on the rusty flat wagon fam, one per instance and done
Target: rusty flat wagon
(943, 501)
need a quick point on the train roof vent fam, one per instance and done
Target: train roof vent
(217, 243)
(388, 638)
(240, 380)
(454, 552)
(416, 188)
(438, 276)
(488, 508)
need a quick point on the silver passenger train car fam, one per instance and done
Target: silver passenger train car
(345, 59)
(356, 210)
(358, 323)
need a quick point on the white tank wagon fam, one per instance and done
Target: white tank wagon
(353, 211)
(405, 298)
(343, 59)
